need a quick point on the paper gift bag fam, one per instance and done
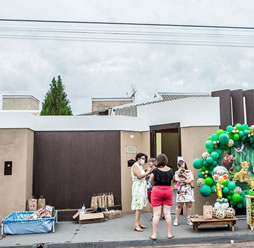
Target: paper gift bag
(94, 202)
(32, 204)
(99, 201)
(110, 200)
(207, 211)
(103, 201)
(41, 202)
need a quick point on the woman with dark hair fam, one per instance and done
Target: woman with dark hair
(162, 194)
(139, 189)
(184, 180)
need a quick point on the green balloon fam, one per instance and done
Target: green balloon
(203, 168)
(236, 137)
(223, 139)
(229, 197)
(209, 160)
(209, 144)
(219, 151)
(246, 132)
(200, 175)
(236, 197)
(239, 205)
(210, 138)
(241, 134)
(243, 193)
(238, 126)
(225, 190)
(230, 135)
(225, 183)
(231, 192)
(219, 132)
(231, 185)
(241, 198)
(214, 189)
(209, 181)
(214, 155)
(244, 127)
(247, 192)
(204, 162)
(210, 150)
(197, 163)
(232, 203)
(229, 128)
(214, 163)
(214, 137)
(205, 190)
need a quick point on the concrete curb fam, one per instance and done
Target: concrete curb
(134, 243)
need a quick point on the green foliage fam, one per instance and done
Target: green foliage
(56, 102)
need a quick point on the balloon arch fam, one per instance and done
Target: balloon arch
(227, 167)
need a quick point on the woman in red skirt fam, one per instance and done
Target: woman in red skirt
(162, 194)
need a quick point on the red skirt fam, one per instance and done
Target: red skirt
(162, 195)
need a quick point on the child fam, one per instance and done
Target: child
(151, 164)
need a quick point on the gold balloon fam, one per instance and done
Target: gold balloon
(218, 190)
(221, 179)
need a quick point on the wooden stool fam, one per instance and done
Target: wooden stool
(200, 221)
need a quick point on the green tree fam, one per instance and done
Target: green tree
(56, 102)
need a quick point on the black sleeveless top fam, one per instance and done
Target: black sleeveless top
(163, 178)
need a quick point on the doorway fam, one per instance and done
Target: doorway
(166, 139)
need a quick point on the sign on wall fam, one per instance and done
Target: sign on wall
(131, 149)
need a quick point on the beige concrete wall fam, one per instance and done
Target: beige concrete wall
(103, 105)
(20, 104)
(193, 145)
(142, 141)
(16, 145)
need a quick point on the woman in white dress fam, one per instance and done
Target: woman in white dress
(139, 189)
(185, 195)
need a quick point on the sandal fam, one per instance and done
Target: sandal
(150, 237)
(170, 237)
(142, 226)
(138, 229)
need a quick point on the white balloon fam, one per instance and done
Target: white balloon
(217, 205)
(225, 206)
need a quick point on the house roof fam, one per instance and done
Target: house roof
(131, 109)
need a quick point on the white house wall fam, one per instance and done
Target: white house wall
(189, 112)
(70, 123)
(200, 111)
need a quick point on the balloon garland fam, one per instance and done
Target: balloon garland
(217, 174)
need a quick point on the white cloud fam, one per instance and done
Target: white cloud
(93, 69)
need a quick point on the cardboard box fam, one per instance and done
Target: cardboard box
(88, 218)
(91, 218)
(112, 214)
(51, 209)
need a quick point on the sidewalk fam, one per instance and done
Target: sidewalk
(119, 232)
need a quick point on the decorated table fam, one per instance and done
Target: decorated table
(200, 221)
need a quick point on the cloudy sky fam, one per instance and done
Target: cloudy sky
(109, 69)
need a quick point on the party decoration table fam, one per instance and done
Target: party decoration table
(200, 221)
